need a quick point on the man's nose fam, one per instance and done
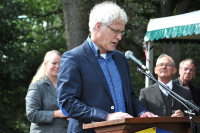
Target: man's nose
(119, 36)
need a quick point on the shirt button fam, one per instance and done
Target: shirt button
(112, 107)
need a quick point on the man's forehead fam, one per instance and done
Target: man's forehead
(164, 60)
(187, 65)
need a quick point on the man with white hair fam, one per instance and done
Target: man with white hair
(156, 99)
(94, 80)
(187, 71)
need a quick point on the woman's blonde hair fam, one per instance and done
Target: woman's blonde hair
(41, 70)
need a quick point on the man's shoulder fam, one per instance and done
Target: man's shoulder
(79, 49)
(150, 87)
(194, 86)
(119, 53)
(179, 86)
(176, 81)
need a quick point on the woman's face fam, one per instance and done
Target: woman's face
(53, 65)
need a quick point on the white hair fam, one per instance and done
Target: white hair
(165, 55)
(189, 61)
(106, 13)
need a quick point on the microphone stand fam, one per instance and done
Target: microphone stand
(183, 101)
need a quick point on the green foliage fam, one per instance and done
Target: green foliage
(28, 30)
(12, 69)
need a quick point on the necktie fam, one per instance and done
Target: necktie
(165, 91)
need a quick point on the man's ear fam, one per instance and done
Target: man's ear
(98, 26)
(179, 70)
(155, 70)
(174, 70)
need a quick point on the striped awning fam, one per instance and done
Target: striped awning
(184, 26)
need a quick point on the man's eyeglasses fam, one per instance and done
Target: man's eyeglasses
(116, 31)
(167, 65)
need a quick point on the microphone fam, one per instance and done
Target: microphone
(129, 55)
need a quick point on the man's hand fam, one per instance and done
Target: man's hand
(148, 114)
(178, 113)
(117, 115)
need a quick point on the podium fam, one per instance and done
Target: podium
(131, 125)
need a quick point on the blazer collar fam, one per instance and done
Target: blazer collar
(89, 54)
(49, 86)
(156, 90)
(120, 67)
(175, 89)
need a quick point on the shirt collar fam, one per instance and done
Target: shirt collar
(168, 84)
(181, 83)
(96, 50)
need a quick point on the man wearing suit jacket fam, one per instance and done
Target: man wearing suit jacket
(156, 99)
(94, 81)
(187, 71)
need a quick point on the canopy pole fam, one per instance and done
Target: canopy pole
(149, 62)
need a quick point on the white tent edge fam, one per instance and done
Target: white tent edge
(168, 22)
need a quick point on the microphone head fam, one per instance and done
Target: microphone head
(127, 54)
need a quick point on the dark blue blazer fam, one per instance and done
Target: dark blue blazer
(83, 91)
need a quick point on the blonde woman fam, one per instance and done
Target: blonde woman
(41, 100)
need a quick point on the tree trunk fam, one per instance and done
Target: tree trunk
(184, 6)
(166, 8)
(73, 23)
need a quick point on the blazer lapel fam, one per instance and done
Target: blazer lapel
(177, 91)
(89, 54)
(157, 92)
(50, 87)
(120, 68)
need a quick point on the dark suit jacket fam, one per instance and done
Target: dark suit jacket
(83, 91)
(195, 91)
(152, 99)
(41, 101)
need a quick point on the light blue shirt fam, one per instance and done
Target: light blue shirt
(112, 76)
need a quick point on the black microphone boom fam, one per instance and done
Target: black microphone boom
(129, 55)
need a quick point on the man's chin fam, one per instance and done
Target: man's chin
(187, 79)
(163, 74)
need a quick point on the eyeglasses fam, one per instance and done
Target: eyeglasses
(167, 65)
(116, 31)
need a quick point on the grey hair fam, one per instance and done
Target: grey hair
(106, 13)
(165, 55)
(190, 61)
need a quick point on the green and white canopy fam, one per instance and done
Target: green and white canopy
(179, 27)
(184, 26)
